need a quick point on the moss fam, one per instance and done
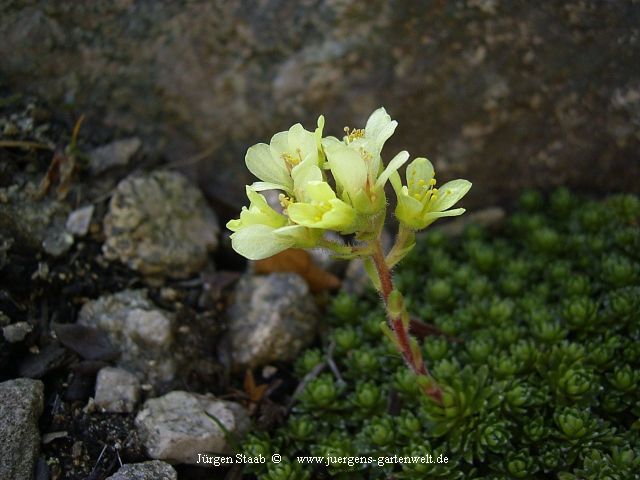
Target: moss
(540, 373)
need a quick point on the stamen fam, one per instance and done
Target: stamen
(284, 200)
(290, 160)
(355, 133)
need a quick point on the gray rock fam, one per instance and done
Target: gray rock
(153, 470)
(116, 390)
(272, 318)
(79, 220)
(32, 223)
(493, 91)
(21, 403)
(178, 426)
(57, 242)
(114, 154)
(16, 332)
(160, 225)
(143, 332)
(38, 363)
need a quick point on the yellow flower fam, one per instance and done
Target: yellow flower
(273, 163)
(356, 164)
(420, 203)
(261, 232)
(322, 209)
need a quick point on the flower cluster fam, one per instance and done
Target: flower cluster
(338, 185)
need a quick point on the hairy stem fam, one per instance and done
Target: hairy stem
(398, 327)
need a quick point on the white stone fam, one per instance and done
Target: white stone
(79, 221)
(16, 332)
(117, 390)
(176, 427)
(150, 327)
(153, 470)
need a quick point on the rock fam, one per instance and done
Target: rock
(490, 91)
(90, 343)
(79, 221)
(143, 332)
(272, 318)
(34, 224)
(160, 225)
(178, 426)
(21, 403)
(153, 470)
(117, 390)
(114, 154)
(37, 364)
(57, 242)
(16, 332)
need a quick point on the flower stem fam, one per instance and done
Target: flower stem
(400, 330)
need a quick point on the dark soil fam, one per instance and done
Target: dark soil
(79, 442)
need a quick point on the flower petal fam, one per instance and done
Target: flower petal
(393, 166)
(302, 174)
(449, 194)
(302, 237)
(431, 217)
(419, 169)
(262, 186)
(318, 133)
(304, 141)
(378, 129)
(256, 242)
(347, 165)
(339, 216)
(279, 144)
(266, 167)
(396, 183)
(408, 211)
(320, 191)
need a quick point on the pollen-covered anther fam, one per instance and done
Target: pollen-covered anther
(351, 135)
(284, 200)
(290, 160)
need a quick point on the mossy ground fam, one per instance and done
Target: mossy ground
(540, 361)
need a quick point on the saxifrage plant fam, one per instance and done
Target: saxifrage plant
(328, 184)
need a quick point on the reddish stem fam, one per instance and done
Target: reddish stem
(397, 326)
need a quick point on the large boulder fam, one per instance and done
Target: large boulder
(507, 94)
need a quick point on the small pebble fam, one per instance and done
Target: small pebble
(79, 221)
(16, 332)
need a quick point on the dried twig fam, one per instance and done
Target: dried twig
(25, 144)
